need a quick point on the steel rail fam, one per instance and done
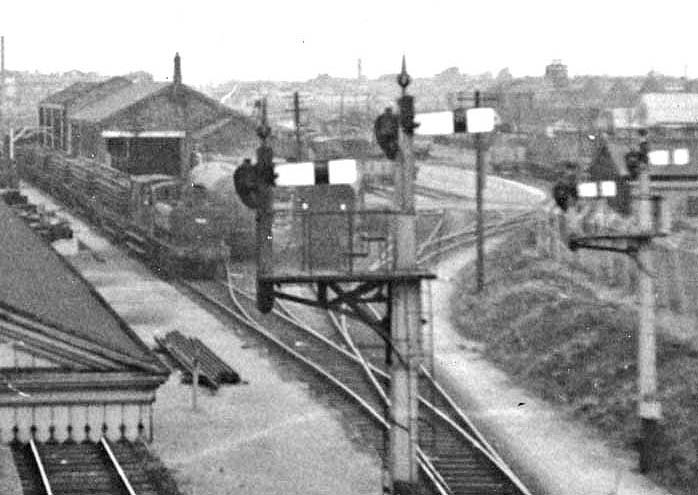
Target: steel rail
(497, 228)
(476, 440)
(426, 465)
(40, 466)
(253, 325)
(117, 466)
(370, 373)
(439, 485)
(432, 235)
(369, 369)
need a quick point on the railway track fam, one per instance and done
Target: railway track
(454, 457)
(86, 468)
(449, 197)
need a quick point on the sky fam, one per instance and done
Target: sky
(296, 40)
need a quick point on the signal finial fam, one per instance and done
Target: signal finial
(404, 79)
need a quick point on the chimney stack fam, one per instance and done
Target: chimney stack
(177, 80)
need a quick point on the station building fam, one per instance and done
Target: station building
(143, 127)
(70, 367)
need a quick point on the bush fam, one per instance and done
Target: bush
(543, 323)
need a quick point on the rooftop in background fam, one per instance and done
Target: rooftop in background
(80, 94)
(119, 100)
(668, 109)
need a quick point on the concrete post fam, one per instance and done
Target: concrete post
(555, 239)
(679, 281)
(405, 319)
(649, 407)
(428, 337)
(479, 198)
(195, 383)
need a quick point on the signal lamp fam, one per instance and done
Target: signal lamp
(386, 129)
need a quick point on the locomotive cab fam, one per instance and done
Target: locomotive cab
(145, 190)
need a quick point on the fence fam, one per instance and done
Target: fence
(674, 268)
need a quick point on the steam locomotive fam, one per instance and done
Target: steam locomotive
(180, 225)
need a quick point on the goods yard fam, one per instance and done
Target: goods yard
(163, 241)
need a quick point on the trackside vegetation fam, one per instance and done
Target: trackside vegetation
(545, 324)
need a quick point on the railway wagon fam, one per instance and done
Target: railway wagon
(539, 156)
(217, 179)
(158, 216)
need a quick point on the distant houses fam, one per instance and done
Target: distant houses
(671, 119)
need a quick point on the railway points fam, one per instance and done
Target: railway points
(453, 456)
(234, 438)
(106, 277)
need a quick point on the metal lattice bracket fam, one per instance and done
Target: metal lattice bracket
(349, 299)
(620, 243)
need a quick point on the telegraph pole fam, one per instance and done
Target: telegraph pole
(649, 407)
(405, 313)
(297, 125)
(478, 99)
(2, 86)
(480, 226)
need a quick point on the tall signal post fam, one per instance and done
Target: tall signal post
(638, 244)
(297, 125)
(405, 311)
(480, 227)
(478, 99)
(2, 86)
(649, 407)
(348, 289)
(265, 198)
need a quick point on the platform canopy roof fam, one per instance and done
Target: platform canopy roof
(44, 298)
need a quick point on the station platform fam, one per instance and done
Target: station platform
(269, 435)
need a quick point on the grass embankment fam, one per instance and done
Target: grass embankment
(543, 323)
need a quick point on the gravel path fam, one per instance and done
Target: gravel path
(551, 452)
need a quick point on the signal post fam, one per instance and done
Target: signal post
(649, 407)
(405, 321)
(634, 240)
(348, 290)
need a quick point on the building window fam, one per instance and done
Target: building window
(681, 156)
(692, 206)
(659, 157)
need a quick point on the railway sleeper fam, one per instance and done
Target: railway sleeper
(185, 350)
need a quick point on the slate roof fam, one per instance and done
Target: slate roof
(118, 100)
(80, 94)
(69, 94)
(608, 160)
(668, 109)
(37, 281)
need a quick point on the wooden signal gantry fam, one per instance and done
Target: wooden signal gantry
(398, 287)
